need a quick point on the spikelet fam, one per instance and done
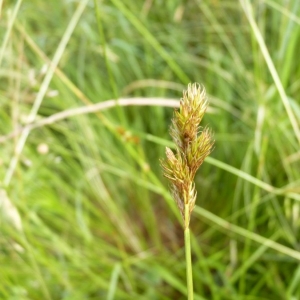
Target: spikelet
(193, 144)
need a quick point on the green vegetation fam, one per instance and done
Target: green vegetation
(85, 210)
(193, 144)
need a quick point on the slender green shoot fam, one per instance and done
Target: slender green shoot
(192, 147)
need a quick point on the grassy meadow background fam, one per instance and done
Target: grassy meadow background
(85, 211)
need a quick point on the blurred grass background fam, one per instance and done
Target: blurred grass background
(85, 212)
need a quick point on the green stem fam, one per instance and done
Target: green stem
(188, 257)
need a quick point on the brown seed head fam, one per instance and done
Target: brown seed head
(192, 146)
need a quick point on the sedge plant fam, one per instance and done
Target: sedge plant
(192, 145)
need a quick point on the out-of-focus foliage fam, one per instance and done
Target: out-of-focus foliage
(97, 221)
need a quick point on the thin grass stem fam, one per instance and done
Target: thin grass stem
(188, 257)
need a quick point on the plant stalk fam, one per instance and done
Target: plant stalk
(188, 256)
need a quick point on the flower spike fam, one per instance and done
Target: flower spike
(192, 147)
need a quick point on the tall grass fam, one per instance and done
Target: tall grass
(92, 217)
